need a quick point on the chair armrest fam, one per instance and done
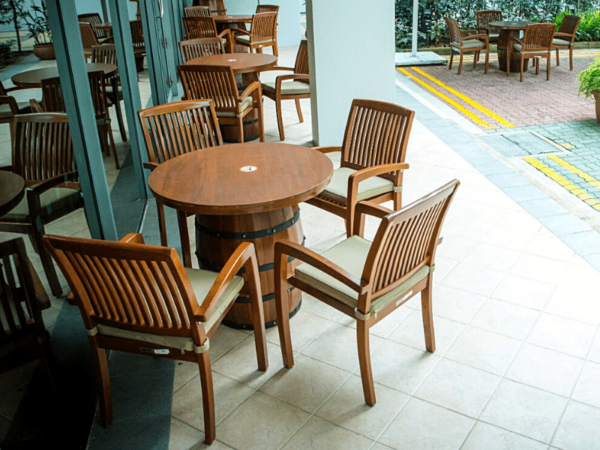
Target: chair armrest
(35, 106)
(293, 76)
(133, 238)
(328, 149)
(485, 37)
(369, 172)
(467, 32)
(150, 165)
(513, 39)
(367, 208)
(278, 68)
(11, 102)
(7, 168)
(243, 256)
(287, 248)
(563, 34)
(42, 187)
(239, 30)
(255, 85)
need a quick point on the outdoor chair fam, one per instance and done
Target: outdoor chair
(466, 41)
(106, 53)
(196, 11)
(94, 19)
(194, 48)
(294, 86)
(53, 101)
(263, 33)
(42, 153)
(138, 298)
(88, 38)
(174, 129)
(372, 160)
(368, 280)
(218, 84)
(139, 46)
(205, 27)
(216, 6)
(536, 44)
(23, 336)
(564, 38)
(9, 106)
(483, 24)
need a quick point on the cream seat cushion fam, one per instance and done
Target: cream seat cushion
(288, 87)
(519, 48)
(246, 39)
(337, 190)
(561, 42)
(351, 255)
(247, 102)
(47, 199)
(202, 281)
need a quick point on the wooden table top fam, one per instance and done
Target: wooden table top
(239, 62)
(12, 189)
(241, 178)
(232, 18)
(510, 24)
(33, 78)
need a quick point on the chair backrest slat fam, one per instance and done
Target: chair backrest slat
(538, 36)
(485, 17)
(199, 27)
(88, 36)
(453, 30)
(196, 11)
(210, 82)
(301, 65)
(195, 48)
(263, 27)
(93, 19)
(137, 34)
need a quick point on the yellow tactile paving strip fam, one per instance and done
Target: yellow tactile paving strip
(562, 181)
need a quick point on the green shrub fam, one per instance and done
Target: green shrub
(589, 79)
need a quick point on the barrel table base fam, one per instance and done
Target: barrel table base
(229, 133)
(502, 50)
(218, 236)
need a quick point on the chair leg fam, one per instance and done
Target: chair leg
(299, 110)
(475, 59)
(451, 59)
(557, 57)
(160, 209)
(120, 120)
(258, 317)
(279, 118)
(261, 123)
(283, 311)
(522, 60)
(103, 382)
(275, 49)
(364, 359)
(537, 65)
(427, 312)
(208, 396)
(571, 56)
(508, 62)
(487, 59)
(47, 262)
(240, 130)
(460, 63)
(548, 68)
(112, 145)
(185, 238)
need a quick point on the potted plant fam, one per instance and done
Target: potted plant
(589, 84)
(36, 19)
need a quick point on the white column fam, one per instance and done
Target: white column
(352, 54)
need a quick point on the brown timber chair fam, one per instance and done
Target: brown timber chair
(205, 27)
(194, 48)
(94, 19)
(266, 8)
(106, 53)
(471, 42)
(372, 159)
(564, 38)
(138, 298)
(23, 336)
(483, 24)
(174, 129)
(216, 6)
(536, 44)
(263, 33)
(42, 153)
(294, 86)
(369, 280)
(53, 101)
(196, 11)
(9, 107)
(139, 46)
(218, 84)
(88, 38)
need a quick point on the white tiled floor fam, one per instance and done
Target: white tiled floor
(516, 321)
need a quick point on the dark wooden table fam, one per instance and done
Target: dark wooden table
(242, 193)
(33, 78)
(248, 65)
(508, 29)
(12, 189)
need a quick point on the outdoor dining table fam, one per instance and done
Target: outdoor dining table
(242, 193)
(248, 65)
(33, 78)
(12, 189)
(508, 29)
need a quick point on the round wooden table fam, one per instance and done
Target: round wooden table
(243, 193)
(12, 189)
(508, 29)
(248, 65)
(33, 78)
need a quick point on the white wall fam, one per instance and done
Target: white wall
(351, 51)
(288, 19)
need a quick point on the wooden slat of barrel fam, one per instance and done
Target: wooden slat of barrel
(515, 63)
(218, 236)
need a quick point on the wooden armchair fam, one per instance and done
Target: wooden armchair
(194, 48)
(88, 38)
(466, 41)
(53, 101)
(372, 160)
(369, 280)
(205, 27)
(294, 86)
(139, 46)
(23, 337)
(42, 153)
(149, 304)
(196, 11)
(94, 19)
(106, 53)
(171, 130)
(483, 24)
(218, 84)
(536, 44)
(263, 33)
(564, 38)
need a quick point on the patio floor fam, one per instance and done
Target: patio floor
(516, 321)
